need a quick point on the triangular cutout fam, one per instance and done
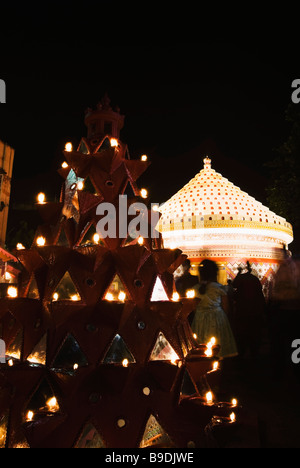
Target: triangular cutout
(88, 186)
(21, 444)
(159, 292)
(70, 356)
(155, 435)
(90, 438)
(66, 290)
(104, 145)
(116, 292)
(43, 401)
(33, 291)
(118, 353)
(129, 191)
(15, 347)
(188, 387)
(89, 236)
(163, 351)
(62, 239)
(3, 429)
(39, 353)
(83, 148)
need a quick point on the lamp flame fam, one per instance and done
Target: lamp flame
(12, 291)
(175, 297)
(209, 398)
(52, 404)
(41, 198)
(190, 294)
(41, 241)
(114, 142)
(68, 147)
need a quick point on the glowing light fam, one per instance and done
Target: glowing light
(190, 294)
(41, 241)
(234, 402)
(10, 363)
(41, 198)
(174, 361)
(55, 297)
(144, 193)
(175, 297)
(125, 363)
(209, 398)
(141, 240)
(155, 207)
(29, 416)
(52, 404)
(209, 346)
(216, 365)
(232, 417)
(64, 165)
(7, 276)
(114, 142)
(109, 297)
(12, 292)
(75, 298)
(20, 246)
(96, 238)
(68, 147)
(195, 336)
(75, 367)
(208, 352)
(121, 296)
(80, 185)
(211, 342)
(144, 157)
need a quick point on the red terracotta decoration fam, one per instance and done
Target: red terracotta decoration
(88, 373)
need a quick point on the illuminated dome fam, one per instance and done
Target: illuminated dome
(210, 217)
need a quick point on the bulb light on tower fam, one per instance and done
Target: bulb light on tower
(68, 147)
(190, 294)
(209, 398)
(41, 198)
(12, 292)
(114, 143)
(41, 241)
(144, 193)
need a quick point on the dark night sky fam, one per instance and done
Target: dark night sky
(182, 100)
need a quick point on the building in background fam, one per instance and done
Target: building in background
(212, 218)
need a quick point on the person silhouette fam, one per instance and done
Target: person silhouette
(186, 281)
(210, 318)
(284, 317)
(249, 312)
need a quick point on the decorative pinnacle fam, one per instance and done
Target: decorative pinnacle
(207, 163)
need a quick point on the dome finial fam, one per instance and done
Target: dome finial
(207, 163)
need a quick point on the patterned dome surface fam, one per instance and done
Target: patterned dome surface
(210, 200)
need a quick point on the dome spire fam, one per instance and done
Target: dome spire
(207, 163)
